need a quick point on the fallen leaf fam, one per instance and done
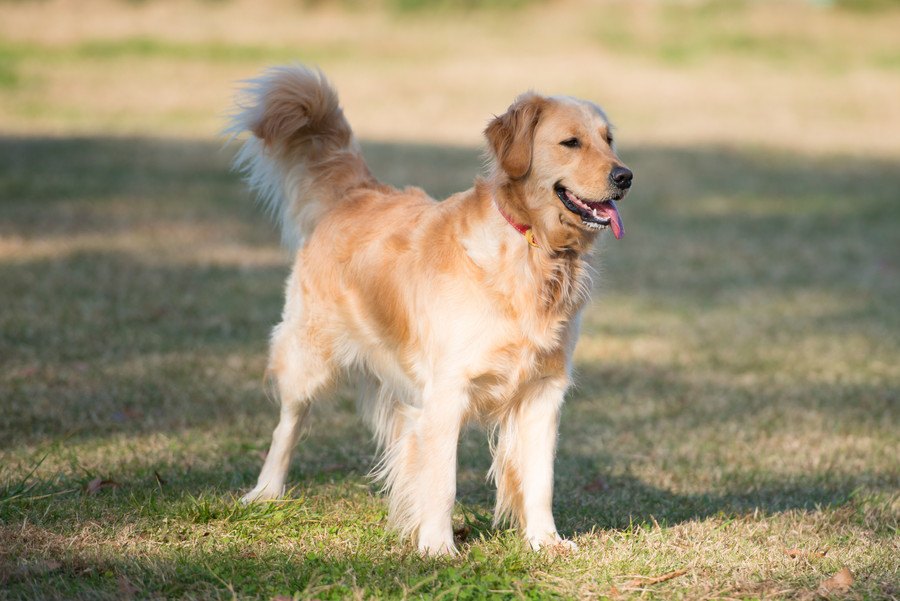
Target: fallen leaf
(95, 485)
(27, 371)
(157, 313)
(51, 565)
(596, 485)
(126, 415)
(333, 467)
(839, 583)
(642, 581)
(461, 534)
(795, 553)
(41, 566)
(126, 589)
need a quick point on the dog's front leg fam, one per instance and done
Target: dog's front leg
(523, 464)
(437, 438)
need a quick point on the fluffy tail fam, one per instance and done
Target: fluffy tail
(302, 157)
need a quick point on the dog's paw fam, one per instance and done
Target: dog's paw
(565, 545)
(262, 493)
(552, 543)
(437, 549)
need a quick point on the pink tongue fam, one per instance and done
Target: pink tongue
(609, 211)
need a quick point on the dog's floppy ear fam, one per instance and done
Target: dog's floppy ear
(511, 135)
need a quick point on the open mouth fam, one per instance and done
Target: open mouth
(595, 214)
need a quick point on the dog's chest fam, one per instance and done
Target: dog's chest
(530, 340)
(506, 367)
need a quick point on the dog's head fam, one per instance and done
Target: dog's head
(556, 157)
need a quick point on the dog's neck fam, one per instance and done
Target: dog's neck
(557, 279)
(523, 228)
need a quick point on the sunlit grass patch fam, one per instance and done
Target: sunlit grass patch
(9, 76)
(142, 47)
(452, 6)
(787, 75)
(681, 34)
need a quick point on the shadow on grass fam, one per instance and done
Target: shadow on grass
(183, 561)
(706, 226)
(623, 502)
(703, 223)
(48, 567)
(102, 342)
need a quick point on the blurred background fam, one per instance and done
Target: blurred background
(817, 76)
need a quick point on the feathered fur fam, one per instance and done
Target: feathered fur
(444, 310)
(302, 156)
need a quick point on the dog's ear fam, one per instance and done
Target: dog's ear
(511, 135)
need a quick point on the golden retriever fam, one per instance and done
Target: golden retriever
(455, 311)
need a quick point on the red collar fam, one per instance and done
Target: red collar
(523, 229)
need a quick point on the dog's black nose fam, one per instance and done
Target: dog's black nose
(621, 177)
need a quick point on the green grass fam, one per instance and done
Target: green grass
(673, 35)
(431, 6)
(681, 34)
(738, 389)
(870, 6)
(146, 48)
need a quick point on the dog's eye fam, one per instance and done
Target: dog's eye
(571, 143)
(609, 140)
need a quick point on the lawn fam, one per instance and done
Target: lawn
(735, 428)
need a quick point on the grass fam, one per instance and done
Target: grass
(683, 34)
(144, 47)
(737, 397)
(789, 75)
(738, 390)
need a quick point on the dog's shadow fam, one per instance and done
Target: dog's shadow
(594, 489)
(620, 502)
(594, 493)
(600, 487)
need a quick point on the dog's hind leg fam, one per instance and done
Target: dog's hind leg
(300, 367)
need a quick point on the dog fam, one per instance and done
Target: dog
(464, 310)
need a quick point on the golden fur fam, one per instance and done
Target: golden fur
(444, 309)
